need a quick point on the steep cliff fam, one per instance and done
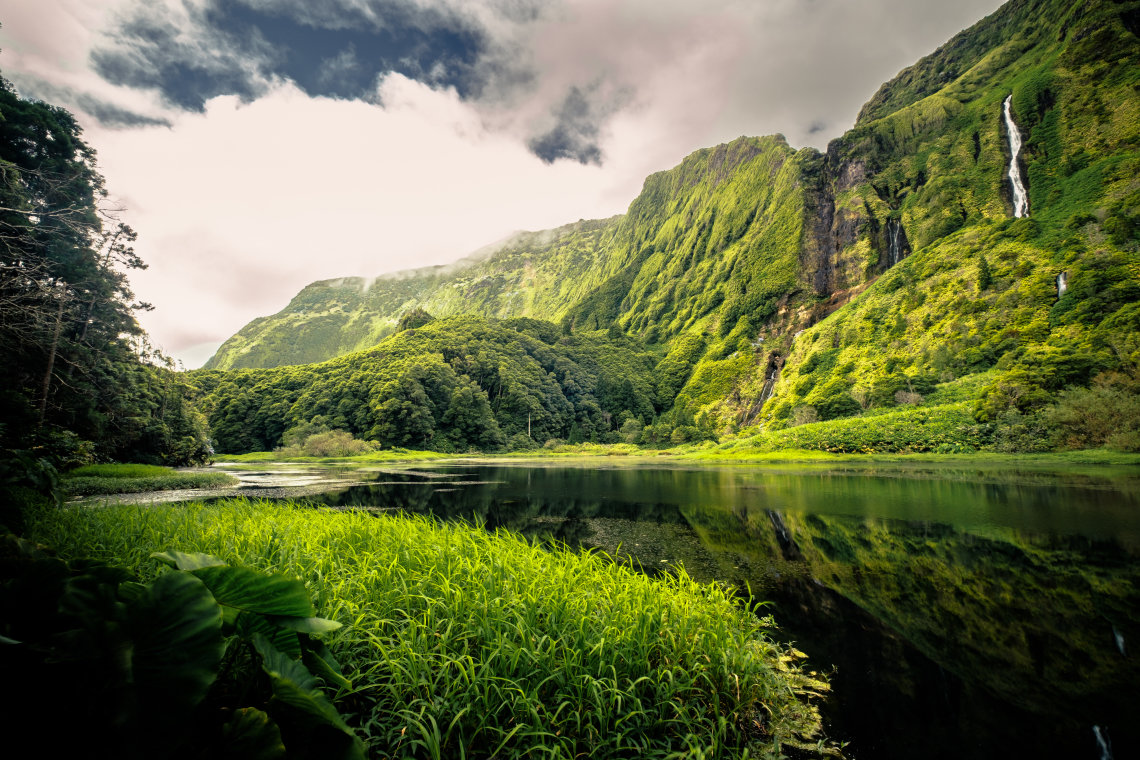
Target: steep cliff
(781, 286)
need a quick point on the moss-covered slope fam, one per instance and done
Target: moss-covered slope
(781, 286)
(1047, 301)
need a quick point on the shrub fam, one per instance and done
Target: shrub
(1108, 413)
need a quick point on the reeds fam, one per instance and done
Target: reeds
(463, 643)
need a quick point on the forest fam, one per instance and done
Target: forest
(79, 382)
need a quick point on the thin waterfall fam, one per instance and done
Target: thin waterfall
(769, 385)
(896, 240)
(1103, 742)
(1062, 283)
(1020, 199)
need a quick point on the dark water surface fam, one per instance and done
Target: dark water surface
(966, 613)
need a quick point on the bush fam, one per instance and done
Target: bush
(333, 443)
(521, 442)
(951, 427)
(157, 669)
(1108, 413)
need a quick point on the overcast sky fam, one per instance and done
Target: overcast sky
(259, 145)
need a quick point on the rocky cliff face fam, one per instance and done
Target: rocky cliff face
(764, 257)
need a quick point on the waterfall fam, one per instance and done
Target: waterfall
(1103, 742)
(895, 241)
(1116, 634)
(1062, 284)
(769, 385)
(1020, 200)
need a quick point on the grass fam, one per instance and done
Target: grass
(460, 643)
(96, 479)
(387, 455)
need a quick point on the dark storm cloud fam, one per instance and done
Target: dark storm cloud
(329, 49)
(577, 128)
(107, 114)
(183, 57)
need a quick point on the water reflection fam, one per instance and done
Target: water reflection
(968, 613)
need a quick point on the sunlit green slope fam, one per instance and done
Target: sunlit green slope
(927, 161)
(778, 286)
(529, 274)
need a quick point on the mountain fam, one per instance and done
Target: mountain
(778, 286)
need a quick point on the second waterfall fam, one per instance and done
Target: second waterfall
(1020, 198)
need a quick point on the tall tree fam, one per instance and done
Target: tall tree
(72, 364)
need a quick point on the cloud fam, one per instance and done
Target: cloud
(191, 53)
(323, 138)
(106, 113)
(241, 206)
(577, 127)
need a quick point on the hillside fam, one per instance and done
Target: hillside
(449, 385)
(779, 287)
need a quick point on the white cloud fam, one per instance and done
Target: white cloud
(239, 207)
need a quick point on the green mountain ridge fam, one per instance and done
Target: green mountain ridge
(778, 286)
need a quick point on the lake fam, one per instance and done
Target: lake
(961, 612)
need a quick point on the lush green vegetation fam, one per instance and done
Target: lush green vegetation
(138, 478)
(978, 297)
(782, 287)
(73, 385)
(450, 385)
(159, 668)
(528, 275)
(462, 643)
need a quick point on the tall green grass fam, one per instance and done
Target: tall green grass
(460, 643)
(138, 478)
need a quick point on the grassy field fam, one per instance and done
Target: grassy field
(96, 479)
(461, 643)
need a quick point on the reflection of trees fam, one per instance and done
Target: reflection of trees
(1026, 623)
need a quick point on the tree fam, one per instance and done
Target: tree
(72, 349)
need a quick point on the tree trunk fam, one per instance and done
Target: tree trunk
(50, 363)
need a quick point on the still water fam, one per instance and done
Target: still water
(962, 613)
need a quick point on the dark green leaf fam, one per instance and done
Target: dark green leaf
(296, 687)
(305, 625)
(257, 592)
(177, 630)
(252, 735)
(250, 624)
(327, 669)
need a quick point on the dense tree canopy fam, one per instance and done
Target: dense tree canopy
(72, 382)
(450, 385)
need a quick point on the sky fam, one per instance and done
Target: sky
(260, 145)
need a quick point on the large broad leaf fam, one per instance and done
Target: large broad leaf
(252, 591)
(305, 624)
(321, 662)
(176, 627)
(315, 729)
(250, 624)
(185, 561)
(295, 686)
(251, 735)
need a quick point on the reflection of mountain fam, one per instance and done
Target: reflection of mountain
(1007, 638)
